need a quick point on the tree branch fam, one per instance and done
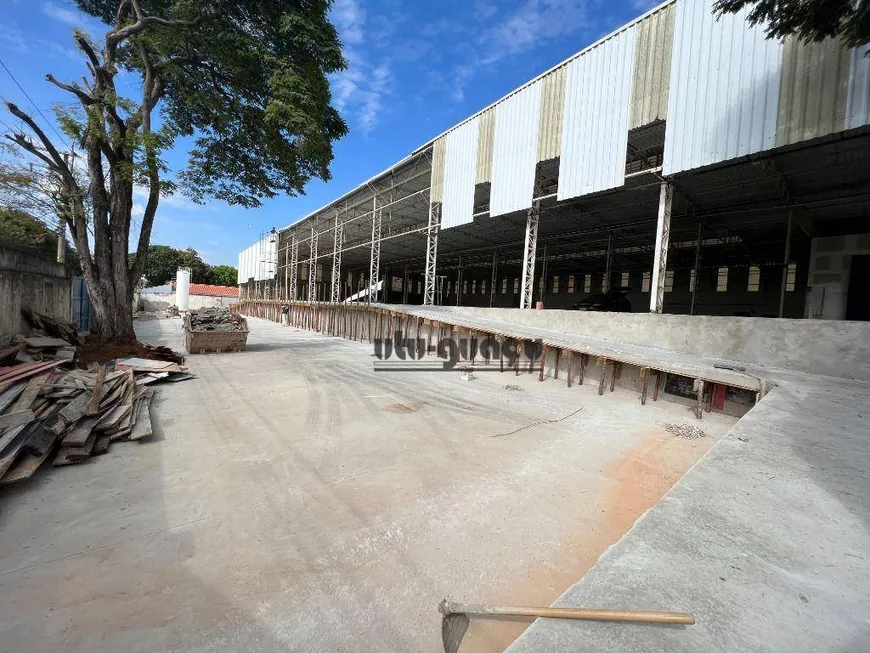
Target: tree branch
(113, 38)
(57, 160)
(83, 97)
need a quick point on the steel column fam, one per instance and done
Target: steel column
(375, 260)
(605, 282)
(312, 268)
(494, 277)
(785, 258)
(405, 287)
(660, 262)
(431, 252)
(459, 284)
(335, 297)
(696, 270)
(530, 248)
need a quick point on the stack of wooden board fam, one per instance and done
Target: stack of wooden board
(71, 414)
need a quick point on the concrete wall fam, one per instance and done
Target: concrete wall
(152, 302)
(32, 282)
(835, 348)
(830, 260)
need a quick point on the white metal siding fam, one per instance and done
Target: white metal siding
(724, 88)
(858, 98)
(595, 124)
(515, 151)
(257, 261)
(460, 167)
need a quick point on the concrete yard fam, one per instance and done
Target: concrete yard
(295, 500)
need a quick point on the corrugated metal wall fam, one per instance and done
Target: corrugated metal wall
(515, 149)
(460, 168)
(484, 147)
(724, 88)
(251, 261)
(595, 125)
(858, 103)
(652, 68)
(552, 104)
(437, 183)
(812, 91)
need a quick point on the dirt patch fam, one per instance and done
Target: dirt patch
(97, 351)
(629, 487)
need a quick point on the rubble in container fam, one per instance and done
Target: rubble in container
(216, 319)
(215, 330)
(69, 415)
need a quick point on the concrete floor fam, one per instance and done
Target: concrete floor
(295, 500)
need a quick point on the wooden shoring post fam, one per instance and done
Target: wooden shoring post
(614, 369)
(500, 342)
(544, 351)
(519, 347)
(584, 358)
(658, 382)
(556, 365)
(532, 360)
(699, 409)
(428, 324)
(603, 362)
(644, 375)
(570, 367)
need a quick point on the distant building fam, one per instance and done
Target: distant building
(160, 298)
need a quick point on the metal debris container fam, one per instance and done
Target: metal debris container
(214, 330)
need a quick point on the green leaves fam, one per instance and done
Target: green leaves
(249, 81)
(809, 20)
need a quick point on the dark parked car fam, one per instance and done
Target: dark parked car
(613, 300)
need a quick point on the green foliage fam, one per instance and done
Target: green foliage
(223, 275)
(248, 80)
(164, 261)
(25, 233)
(809, 20)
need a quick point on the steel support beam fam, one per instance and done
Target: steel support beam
(785, 260)
(375, 259)
(335, 296)
(660, 262)
(312, 268)
(459, 284)
(527, 284)
(432, 232)
(294, 268)
(405, 286)
(608, 261)
(494, 277)
(696, 270)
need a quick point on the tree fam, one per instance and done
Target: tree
(809, 20)
(163, 262)
(246, 78)
(223, 275)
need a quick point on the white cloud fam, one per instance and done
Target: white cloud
(532, 24)
(350, 18)
(63, 14)
(359, 91)
(175, 201)
(12, 39)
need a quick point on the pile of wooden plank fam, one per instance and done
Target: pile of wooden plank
(70, 415)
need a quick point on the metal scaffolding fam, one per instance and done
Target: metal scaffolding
(335, 296)
(530, 248)
(312, 267)
(432, 252)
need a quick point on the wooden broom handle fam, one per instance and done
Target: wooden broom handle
(449, 607)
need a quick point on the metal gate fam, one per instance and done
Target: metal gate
(81, 305)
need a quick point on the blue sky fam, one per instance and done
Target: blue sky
(416, 68)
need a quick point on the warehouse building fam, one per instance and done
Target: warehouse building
(689, 162)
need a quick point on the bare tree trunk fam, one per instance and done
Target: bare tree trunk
(113, 319)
